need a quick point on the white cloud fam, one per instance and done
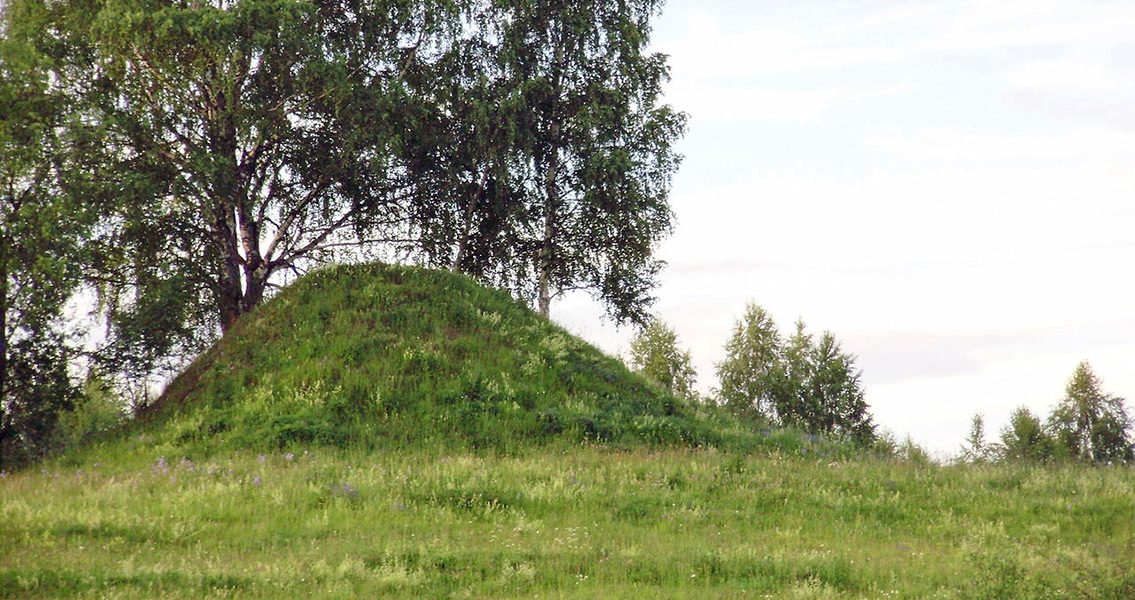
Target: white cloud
(723, 103)
(741, 104)
(980, 25)
(977, 148)
(1080, 88)
(1074, 78)
(707, 52)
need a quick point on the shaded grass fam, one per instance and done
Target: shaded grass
(572, 523)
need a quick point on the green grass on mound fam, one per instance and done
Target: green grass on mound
(378, 355)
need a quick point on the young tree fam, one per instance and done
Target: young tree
(656, 356)
(792, 396)
(975, 449)
(1024, 439)
(800, 381)
(752, 373)
(1090, 424)
(834, 400)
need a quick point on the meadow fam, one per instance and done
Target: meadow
(389, 432)
(562, 521)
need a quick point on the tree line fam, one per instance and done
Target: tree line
(1086, 425)
(799, 381)
(811, 383)
(177, 160)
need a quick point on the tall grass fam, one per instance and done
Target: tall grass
(570, 523)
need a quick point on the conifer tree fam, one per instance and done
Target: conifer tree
(835, 398)
(976, 449)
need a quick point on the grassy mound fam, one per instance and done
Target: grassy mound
(376, 355)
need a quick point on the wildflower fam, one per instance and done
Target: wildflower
(261, 459)
(344, 490)
(289, 457)
(256, 481)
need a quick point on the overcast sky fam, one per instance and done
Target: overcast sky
(949, 187)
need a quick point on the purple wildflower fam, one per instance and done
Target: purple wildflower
(344, 490)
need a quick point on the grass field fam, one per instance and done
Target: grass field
(582, 522)
(389, 432)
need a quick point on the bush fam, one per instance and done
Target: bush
(97, 411)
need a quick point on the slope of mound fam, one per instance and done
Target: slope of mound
(375, 354)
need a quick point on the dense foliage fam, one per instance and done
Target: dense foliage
(800, 381)
(655, 355)
(1088, 425)
(549, 155)
(47, 216)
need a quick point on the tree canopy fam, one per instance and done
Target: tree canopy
(799, 381)
(246, 141)
(1090, 424)
(1025, 439)
(47, 212)
(549, 153)
(655, 355)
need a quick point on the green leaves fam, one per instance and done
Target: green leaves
(656, 356)
(545, 156)
(1090, 424)
(800, 381)
(1025, 438)
(45, 227)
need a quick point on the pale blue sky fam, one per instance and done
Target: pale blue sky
(947, 186)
